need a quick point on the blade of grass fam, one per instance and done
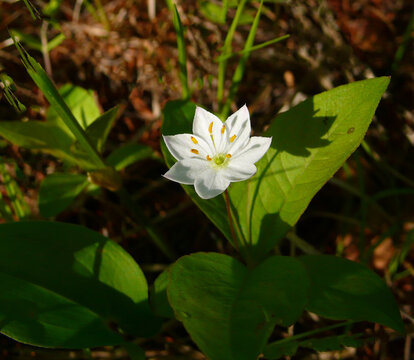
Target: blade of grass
(385, 166)
(392, 192)
(238, 74)
(226, 50)
(224, 11)
(310, 333)
(404, 43)
(253, 48)
(102, 15)
(41, 79)
(352, 190)
(363, 207)
(182, 57)
(32, 9)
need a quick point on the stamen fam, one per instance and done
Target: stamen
(222, 129)
(194, 151)
(208, 158)
(228, 156)
(210, 128)
(194, 140)
(232, 138)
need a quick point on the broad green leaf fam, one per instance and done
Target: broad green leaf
(129, 154)
(63, 285)
(36, 135)
(58, 191)
(98, 131)
(81, 103)
(158, 296)
(310, 143)
(230, 310)
(178, 119)
(343, 289)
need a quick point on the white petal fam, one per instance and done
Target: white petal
(238, 170)
(210, 183)
(203, 122)
(180, 146)
(238, 124)
(187, 171)
(254, 150)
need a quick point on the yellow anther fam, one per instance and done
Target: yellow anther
(228, 156)
(194, 151)
(194, 140)
(210, 128)
(222, 129)
(208, 158)
(232, 138)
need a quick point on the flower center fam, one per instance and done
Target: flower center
(219, 160)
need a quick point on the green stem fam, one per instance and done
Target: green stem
(141, 219)
(310, 333)
(233, 233)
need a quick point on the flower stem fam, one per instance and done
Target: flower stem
(233, 234)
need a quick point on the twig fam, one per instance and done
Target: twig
(151, 9)
(45, 51)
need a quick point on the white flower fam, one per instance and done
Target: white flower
(216, 153)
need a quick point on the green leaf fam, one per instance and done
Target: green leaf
(98, 131)
(58, 191)
(310, 143)
(81, 103)
(65, 286)
(129, 154)
(278, 350)
(158, 296)
(36, 135)
(230, 310)
(212, 12)
(343, 289)
(178, 119)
